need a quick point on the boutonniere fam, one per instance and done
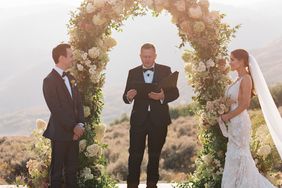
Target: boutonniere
(73, 83)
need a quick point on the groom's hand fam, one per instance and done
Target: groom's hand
(131, 94)
(78, 130)
(157, 96)
(75, 137)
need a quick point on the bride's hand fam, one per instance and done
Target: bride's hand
(225, 117)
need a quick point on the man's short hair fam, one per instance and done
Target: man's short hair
(60, 50)
(148, 46)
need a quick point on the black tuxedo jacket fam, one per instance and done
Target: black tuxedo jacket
(66, 111)
(159, 112)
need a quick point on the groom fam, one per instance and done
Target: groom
(65, 125)
(149, 118)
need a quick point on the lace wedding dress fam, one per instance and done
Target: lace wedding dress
(240, 170)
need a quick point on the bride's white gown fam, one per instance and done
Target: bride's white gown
(240, 170)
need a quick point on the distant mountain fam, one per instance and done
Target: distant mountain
(270, 61)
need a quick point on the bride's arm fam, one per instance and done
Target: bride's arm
(244, 98)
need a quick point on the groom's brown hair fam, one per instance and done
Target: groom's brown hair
(60, 50)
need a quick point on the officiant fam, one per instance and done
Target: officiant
(149, 117)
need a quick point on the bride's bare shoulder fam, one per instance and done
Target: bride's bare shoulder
(247, 80)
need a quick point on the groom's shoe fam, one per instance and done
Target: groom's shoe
(132, 185)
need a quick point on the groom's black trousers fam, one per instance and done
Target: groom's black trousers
(64, 158)
(156, 138)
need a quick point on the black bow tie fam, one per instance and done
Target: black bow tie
(64, 74)
(151, 69)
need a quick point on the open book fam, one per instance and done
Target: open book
(143, 89)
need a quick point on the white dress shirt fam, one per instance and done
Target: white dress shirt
(65, 78)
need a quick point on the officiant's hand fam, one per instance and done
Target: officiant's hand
(131, 94)
(157, 96)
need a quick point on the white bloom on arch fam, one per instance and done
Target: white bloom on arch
(86, 174)
(99, 20)
(84, 56)
(201, 67)
(93, 69)
(92, 150)
(210, 63)
(80, 67)
(94, 52)
(82, 145)
(41, 124)
(195, 12)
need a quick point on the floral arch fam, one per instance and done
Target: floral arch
(90, 35)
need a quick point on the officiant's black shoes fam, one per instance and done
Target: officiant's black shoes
(151, 185)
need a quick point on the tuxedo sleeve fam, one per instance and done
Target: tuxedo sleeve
(170, 94)
(80, 108)
(52, 100)
(127, 87)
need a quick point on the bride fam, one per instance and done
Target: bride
(240, 170)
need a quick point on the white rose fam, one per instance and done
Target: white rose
(98, 20)
(82, 145)
(90, 8)
(201, 67)
(180, 5)
(86, 174)
(84, 56)
(92, 150)
(92, 70)
(195, 12)
(40, 124)
(88, 63)
(210, 63)
(94, 52)
(79, 67)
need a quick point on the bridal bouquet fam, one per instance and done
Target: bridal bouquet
(214, 109)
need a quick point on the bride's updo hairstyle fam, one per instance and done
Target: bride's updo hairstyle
(242, 54)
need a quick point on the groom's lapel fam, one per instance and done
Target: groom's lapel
(63, 85)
